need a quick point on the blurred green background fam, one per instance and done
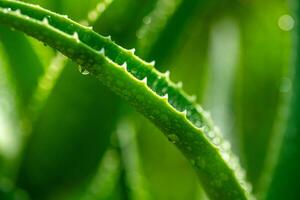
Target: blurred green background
(65, 136)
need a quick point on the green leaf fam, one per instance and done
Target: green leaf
(149, 91)
(25, 70)
(284, 184)
(65, 151)
(10, 133)
(258, 96)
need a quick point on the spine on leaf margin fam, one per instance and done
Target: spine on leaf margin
(151, 92)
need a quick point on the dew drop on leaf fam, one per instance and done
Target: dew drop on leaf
(82, 70)
(173, 138)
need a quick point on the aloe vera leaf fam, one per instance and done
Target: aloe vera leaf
(123, 19)
(9, 116)
(41, 114)
(25, 78)
(257, 94)
(223, 61)
(154, 23)
(9, 192)
(286, 174)
(166, 43)
(103, 185)
(57, 65)
(192, 130)
(88, 136)
(126, 134)
(172, 171)
(177, 173)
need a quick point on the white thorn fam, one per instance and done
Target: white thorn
(75, 36)
(89, 27)
(152, 63)
(45, 21)
(184, 112)
(166, 96)
(65, 16)
(108, 37)
(144, 80)
(124, 65)
(179, 84)
(132, 50)
(167, 74)
(102, 51)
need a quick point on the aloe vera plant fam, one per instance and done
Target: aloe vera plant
(151, 92)
(64, 135)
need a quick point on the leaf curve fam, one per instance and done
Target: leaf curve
(151, 92)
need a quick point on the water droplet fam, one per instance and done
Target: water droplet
(234, 162)
(201, 163)
(18, 12)
(225, 156)
(205, 129)
(179, 84)
(193, 98)
(82, 70)
(192, 162)
(101, 7)
(226, 146)
(286, 22)
(241, 174)
(147, 20)
(6, 10)
(173, 138)
(216, 140)
(93, 15)
(198, 123)
(85, 72)
(211, 134)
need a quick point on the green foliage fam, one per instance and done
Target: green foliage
(150, 91)
(65, 136)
